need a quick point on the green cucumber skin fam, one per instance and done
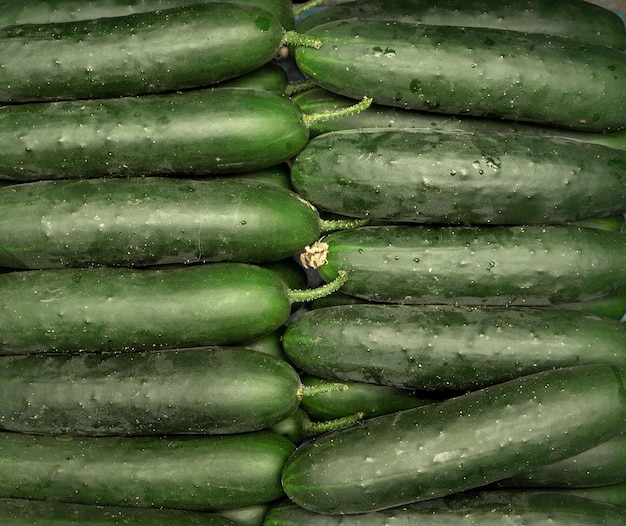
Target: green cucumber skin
(210, 390)
(367, 398)
(192, 472)
(459, 444)
(269, 77)
(492, 265)
(114, 309)
(447, 347)
(471, 71)
(315, 100)
(23, 512)
(140, 221)
(577, 19)
(47, 11)
(460, 177)
(488, 508)
(149, 52)
(199, 132)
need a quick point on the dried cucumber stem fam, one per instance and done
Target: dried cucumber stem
(315, 255)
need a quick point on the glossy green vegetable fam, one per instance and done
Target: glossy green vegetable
(185, 472)
(206, 390)
(199, 132)
(458, 444)
(183, 47)
(141, 221)
(471, 509)
(447, 347)
(493, 265)
(568, 18)
(460, 177)
(471, 71)
(269, 77)
(23, 512)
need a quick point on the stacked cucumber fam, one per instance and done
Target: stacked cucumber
(359, 269)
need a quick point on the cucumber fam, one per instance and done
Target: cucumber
(367, 398)
(491, 265)
(199, 132)
(199, 473)
(447, 347)
(577, 19)
(613, 493)
(460, 177)
(471, 509)
(140, 221)
(46, 11)
(208, 390)
(269, 77)
(459, 444)
(115, 309)
(22, 512)
(183, 47)
(602, 465)
(483, 72)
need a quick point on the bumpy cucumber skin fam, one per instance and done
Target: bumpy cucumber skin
(212, 390)
(143, 221)
(458, 444)
(488, 508)
(109, 309)
(447, 347)
(471, 71)
(47, 11)
(460, 177)
(200, 132)
(23, 512)
(577, 19)
(152, 52)
(185, 472)
(492, 265)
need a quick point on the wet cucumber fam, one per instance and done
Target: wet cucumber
(198, 132)
(459, 444)
(116, 309)
(28, 512)
(491, 265)
(483, 72)
(423, 176)
(184, 472)
(486, 508)
(183, 47)
(207, 390)
(577, 19)
(141, 221)
(447, 347)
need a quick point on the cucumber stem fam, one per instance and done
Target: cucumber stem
(293, 38)
(324, 116)
(330, 225)
(326, 387)
(295, 87)
(301, 295)
(302, 8)
(336, 423)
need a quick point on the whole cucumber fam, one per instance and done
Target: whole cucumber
(484, 72)
(459, 444)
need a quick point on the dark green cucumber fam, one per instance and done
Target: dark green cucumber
(186, 472)
(139, 221)
(28, 512)
(460, 177)
(602, 465)
(46, 11)
(183, 47)
(270, 77)
(447, 347)
(576, 19)
(459, 444)
(116, 309)
(316, 99)
(195, 133)
(492, 265)
(246, 515)
(483, 72)
(367, 398)
(613, 493)
(468, 509)
(206, 390)
(280, 175)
